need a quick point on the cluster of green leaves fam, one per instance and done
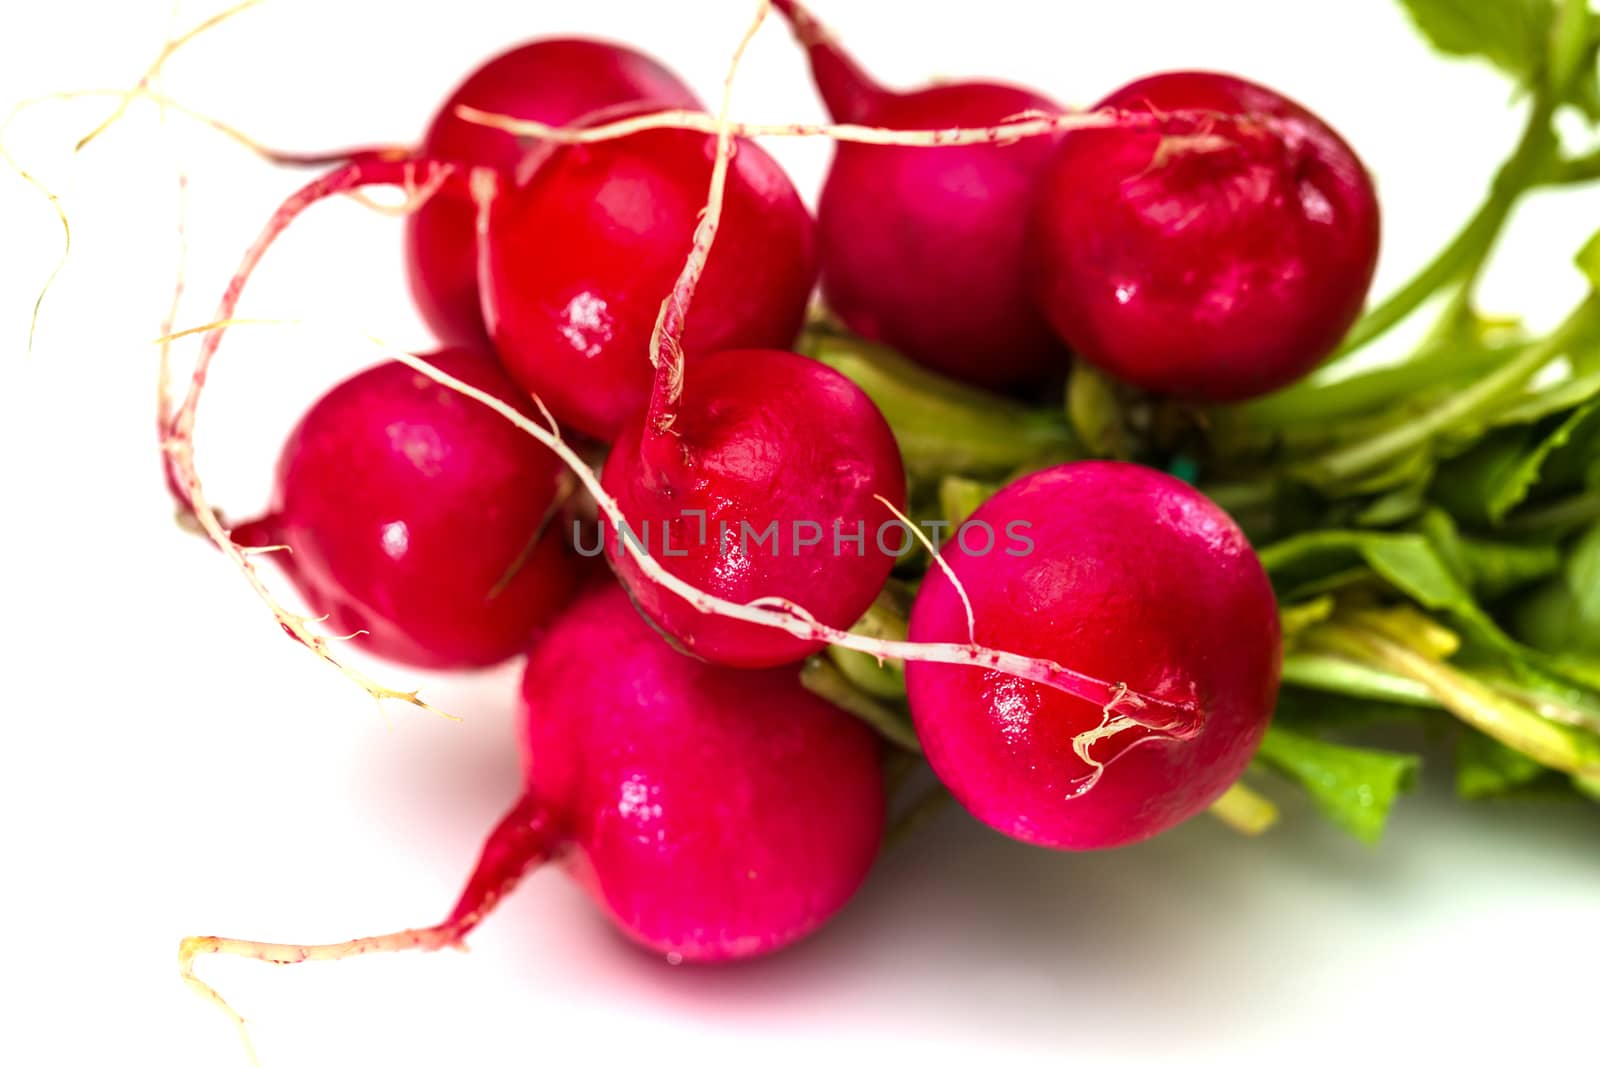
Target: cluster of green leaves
(1537, 43)
(1433, 525)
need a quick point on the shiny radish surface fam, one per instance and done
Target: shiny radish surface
(580, 255)
(1131, 575)
(553, 80)
(420, 517)
(1216, 258)
(715, 814)
(766, 489)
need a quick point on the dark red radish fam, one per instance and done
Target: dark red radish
(555, 81)
(421, 517)
(713, 814)
(923, 248)
(760, 438)
(580, 255)
(1216, 258)
(1128, 574)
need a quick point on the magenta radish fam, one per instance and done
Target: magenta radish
(713, 814)
(767, 486)
(1131, 575)
(419, 518)
(557, 81)
(923, 248)
(1214, 259)
(660, 449)
(579, 256)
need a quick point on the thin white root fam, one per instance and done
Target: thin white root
(1112, 723)
(211, 122)
(154, 70)
(1017, 128)
(178, 446)
(666, 338)
(938, 561)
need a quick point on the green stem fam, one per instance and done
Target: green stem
(1245, 810)
(1337, 674)
(959, 497)
(944, 427)
(1236, 497)
(1470, 403)
(1574, 171)
(1558, 518)
(824, 679)
(886, 680)
(1095, 411)
(1509, 721)
(1436, 362)
(1464, 256)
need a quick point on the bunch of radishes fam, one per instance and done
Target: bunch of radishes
(1091, 657)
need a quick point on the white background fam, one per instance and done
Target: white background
(170, 764)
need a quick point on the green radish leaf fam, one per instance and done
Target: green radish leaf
(1583, 582)
(1486, 768)
(1413, 566)
(1408, 562)
(1529, 471)
(1562, 617)
(1491, 569)
(1572, 53)
(1588, 260)
(1468, 486)
(1354, 788)
(1315, 557)
(1574, 464)
(1572, 393)
(1394, 507)
(1547, 618)
(1511, 34)
(1487, 483)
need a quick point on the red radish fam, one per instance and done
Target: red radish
(659, 444)
(1214, 259)
(761, 438)
(557, 81)
(420, 517)
(579, 256)
(923, 248)
(713, 814)
(1131, 575)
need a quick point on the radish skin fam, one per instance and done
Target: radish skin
(1133, 575)
(419, 521)
(924, 251)
(1213, 259)
(554, 80)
